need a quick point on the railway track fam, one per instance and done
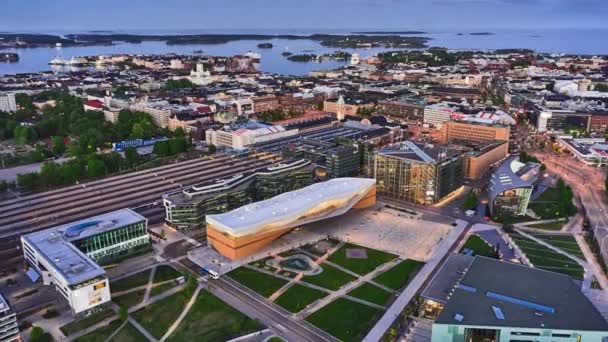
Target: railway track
(39, 211)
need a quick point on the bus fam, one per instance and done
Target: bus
(213, 273)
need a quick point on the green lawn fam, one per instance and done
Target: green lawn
(100, 335)
(156, 290)
(166, 272)
(567, 243)
(158, 317)
(297, 297)
(544, 258)
(374, 259)
(128, 333)
(331, 278)
(555, 225)
(479, 247)
(210, 319)
(345, 319)
(259, 282)
(371, 293)
(400, 275)
(130, 299)
(128, 283)
(79, 325)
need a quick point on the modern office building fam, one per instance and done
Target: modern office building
(243, 231)
(68, 256)
(502, 301)
(558, 120)
(511, 186)
(480, 157)
(417, 173)
(437, 114)
(474, 131)
(337, 160)
(9, 327)
(186, 210)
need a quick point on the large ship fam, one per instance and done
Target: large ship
(74, 61)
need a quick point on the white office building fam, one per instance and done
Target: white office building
(243, 136)
(9, 328)
(66, 256)
(437, 114)
(8, 103)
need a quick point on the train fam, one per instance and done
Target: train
(121, 145)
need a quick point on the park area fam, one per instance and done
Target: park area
(338, 299)
(478, 246)
(544, 258)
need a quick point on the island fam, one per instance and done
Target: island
(482, 33)
(391, 32)
(265, 46)
(308, 57)
(286, 54)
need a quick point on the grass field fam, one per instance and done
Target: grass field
(156, 290)
(544, 258)
(130, 299)
(79, 325)
(374, 259)
(128, 283)
(371, 293)
(210, 319)
(158, 317)
(166, 272)
(400, 275)
(331, 278)
(100, 335)
(567, 243)
(261, 283)
(345, 319)
(479, 247)
(555, 225)
(297, 297)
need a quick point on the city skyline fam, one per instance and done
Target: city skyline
(314, 14)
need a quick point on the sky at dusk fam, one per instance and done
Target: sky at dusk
(83, 15)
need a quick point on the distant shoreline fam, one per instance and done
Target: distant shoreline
(329, 40)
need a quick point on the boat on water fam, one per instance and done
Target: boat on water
(9, 57)
(255, 57)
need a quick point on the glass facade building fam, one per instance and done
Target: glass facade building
(116, 243)
(415, 174)
(186, 210)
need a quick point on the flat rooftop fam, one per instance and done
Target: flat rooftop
(514, 295)
(443, 283)
(289, 207)
(425, 153)
(55, 244)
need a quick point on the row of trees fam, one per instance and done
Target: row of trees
(277, 114)
(68, 118)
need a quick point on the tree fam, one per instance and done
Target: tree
(50, 174)
(179, 132)
(470, 201)
(74, 149)
(131, 156)
(123, 313)
(28, 180)
(96, 167)
(72, 171)
(39, 335)
(36, 156)
(212, 149)
(177, 145)
(161, 148)
(57, 145)
(162, 234)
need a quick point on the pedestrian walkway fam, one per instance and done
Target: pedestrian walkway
(149, 285)
(594, 264)
(442, 249)
(182, 315)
